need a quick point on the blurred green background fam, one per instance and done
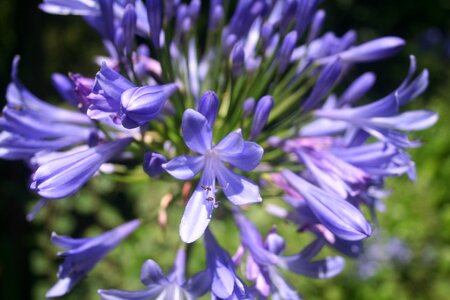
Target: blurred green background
(418, 213)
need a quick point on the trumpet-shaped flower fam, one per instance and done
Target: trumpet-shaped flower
(83, 254)
(172, 286)
(64, 175)
(232, 149)
(265, 257)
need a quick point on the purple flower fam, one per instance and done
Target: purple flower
(336, 214)
(232, 149)
(208, 106)
(327, 78)
(65, 174)
(154, 14)
(262, 112)
(115, 97)
(172, 286)
(382, 120)
(357, 89)
(30, 125)
(266, 256)
(153, 164)
(370, 51)
(63, 7)
(83, 254)
(142, 104)
(287, 47)
(225, 284)
(248, 107)
(65, 88)
(16, 147)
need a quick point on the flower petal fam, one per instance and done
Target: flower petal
(338, 215)
(238, 189)
(151, 273)
(199, 283)
(247, 159)
(184, 167)
(233, 143)
(325, 268)
(197, 133)
(150, 293)
(196, 217)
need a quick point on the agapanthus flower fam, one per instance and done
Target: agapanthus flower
(62, 176)
(335, 213)
(232, 149)
(328, 153)
(225, 283)
(265, 257)
(113, 96)
(83, 254)
(159, 286)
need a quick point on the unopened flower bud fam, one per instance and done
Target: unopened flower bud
(152, 163)
(209, 106)
(248, 107)
(262, 112)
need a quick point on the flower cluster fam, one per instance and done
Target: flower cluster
(253, 94)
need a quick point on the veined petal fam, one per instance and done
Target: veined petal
(252, 240)
(238, 189)
(409, 121)
(223, 281)
(338, 215)
(63, 286)
(199, 283)
(196, 217)
(151, 273)
(75, 7)
(68, 242)
(184, 167)
(196, 131)
(247, 159)
(233, 143)
(325, 268)
(151, 293)
(64, 175)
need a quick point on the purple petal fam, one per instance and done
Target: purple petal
(261, 116)
(251, 239)
(199, 284)
(247, 159)
(232, 144)
(338, 215)
(373, 50)
(68, 242)
(409, 121)
(358, 88)
(196, 217)
(325, 268)
(63, 286)
(111, 82)
(222, 282)
(142, 104)
(327, 78)
(197, 133)
(184, 167)
(208, 106)
(238, 189)
(150, 293)
(64, 176)
(275, 243)
(62, 7)
(151, 274)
